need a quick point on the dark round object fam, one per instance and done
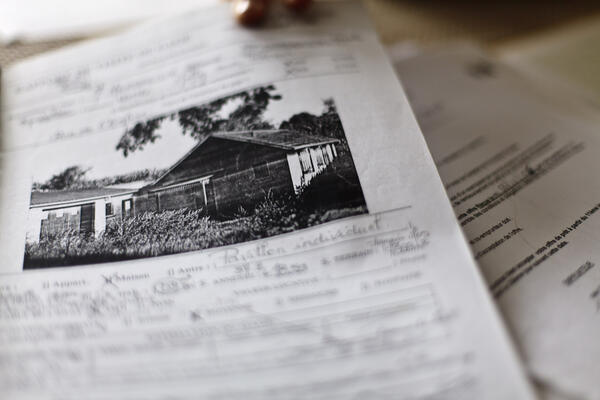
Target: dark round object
(297, 5)
(250, 12)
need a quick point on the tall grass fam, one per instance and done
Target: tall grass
(176, 231)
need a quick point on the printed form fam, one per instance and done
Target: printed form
(194, 210)
(522, 176)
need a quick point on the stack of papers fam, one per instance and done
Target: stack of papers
(194, 210)
(520, 173)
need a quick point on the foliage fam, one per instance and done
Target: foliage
(336, 186)
(73, 178)
(334, 193)
(135, 176)
(327, 124)
(176, 231)
(200, 121)
(70, 177)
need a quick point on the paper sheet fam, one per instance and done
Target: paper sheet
(522, 177)
(296, 242)
(35, 20)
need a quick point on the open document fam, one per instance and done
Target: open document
(522, 176)
(194, 210)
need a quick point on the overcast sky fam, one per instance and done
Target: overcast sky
(98, 152)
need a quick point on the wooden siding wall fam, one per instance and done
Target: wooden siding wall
(233, 182)
(185, 196)
(242, 188)
(219, 156)
(143, 203)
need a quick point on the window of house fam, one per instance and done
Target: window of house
(127, 208)
(319, 156)
(261, 170)
(305, 162)
(326, 155)
(108, 207)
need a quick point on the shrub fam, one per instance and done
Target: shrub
(333, 194)
(336, 186)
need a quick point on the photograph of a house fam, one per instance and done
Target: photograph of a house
(246, 168)
(221, 173)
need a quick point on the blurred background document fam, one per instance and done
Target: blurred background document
(296, 243)
(522, 175)
(569, 56)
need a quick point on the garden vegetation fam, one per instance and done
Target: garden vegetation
(175, 231)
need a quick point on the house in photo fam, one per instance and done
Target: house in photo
(223, 172)
(80, 211)
(232, 169)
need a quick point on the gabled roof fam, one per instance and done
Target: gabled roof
(278, 138)
(66, 196)
(282, 138)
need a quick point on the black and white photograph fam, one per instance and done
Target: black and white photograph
(269, 160)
